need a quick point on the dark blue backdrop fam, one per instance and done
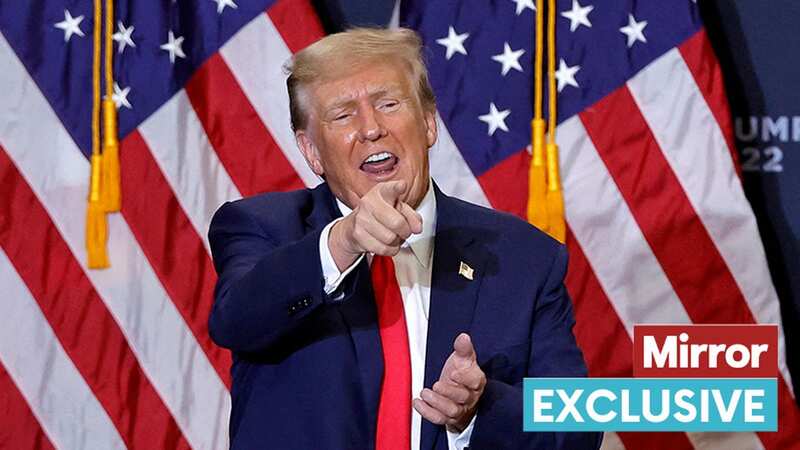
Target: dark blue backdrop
(758, 45)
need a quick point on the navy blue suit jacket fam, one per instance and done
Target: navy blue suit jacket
(307, 369)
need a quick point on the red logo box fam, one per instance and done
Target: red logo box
(705, 351)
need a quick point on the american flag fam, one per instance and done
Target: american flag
(121, 358)
(659, 230)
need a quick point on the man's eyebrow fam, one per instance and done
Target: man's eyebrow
(340, 101)
(345, 100)
(384, 90)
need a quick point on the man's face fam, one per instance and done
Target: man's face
(365, 127)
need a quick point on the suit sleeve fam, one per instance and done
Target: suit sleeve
(266, 289)
(554, 353)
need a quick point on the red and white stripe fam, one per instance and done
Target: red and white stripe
(256, 55)
(122, 364)
(46, 377)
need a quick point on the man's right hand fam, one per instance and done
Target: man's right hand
(378, 224)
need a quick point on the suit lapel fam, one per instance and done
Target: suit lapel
(453, 295)
(358, 313)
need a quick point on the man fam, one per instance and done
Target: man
(374, 311)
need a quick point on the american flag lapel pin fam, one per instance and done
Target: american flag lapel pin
(465, 271)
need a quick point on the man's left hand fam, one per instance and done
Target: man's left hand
(454, 398)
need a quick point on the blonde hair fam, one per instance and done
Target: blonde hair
(343, 52)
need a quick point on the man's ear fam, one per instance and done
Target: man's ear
(309, 151)
(430, 127)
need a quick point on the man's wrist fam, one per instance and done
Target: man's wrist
(459, 440)
(341, 255)
(460, 427)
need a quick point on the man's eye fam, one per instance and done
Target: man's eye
(341, 117)
(389, 104)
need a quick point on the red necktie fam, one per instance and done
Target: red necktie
(394, 409)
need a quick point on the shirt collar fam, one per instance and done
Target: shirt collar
(421, 244)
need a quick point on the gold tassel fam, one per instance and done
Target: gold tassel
(110, 182)
(555, 200)
(110, 174)
(537, 186)
(96, 225)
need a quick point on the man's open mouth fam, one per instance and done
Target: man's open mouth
(379, 163)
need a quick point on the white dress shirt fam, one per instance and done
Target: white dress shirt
(413, 270)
